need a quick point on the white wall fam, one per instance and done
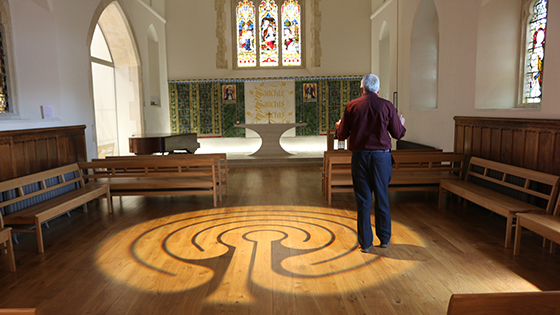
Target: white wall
(424, 49)
(52, 60)
(192, 42)
(457, 82)
(497, 61)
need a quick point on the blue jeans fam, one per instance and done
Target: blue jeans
(372, 171)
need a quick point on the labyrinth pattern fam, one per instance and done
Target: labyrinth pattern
(229, 253)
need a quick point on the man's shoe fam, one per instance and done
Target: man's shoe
(365, 250)
(384, 245)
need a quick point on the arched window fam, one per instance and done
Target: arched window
(268, 35)
(534, 55)
(424, 50)
(116, 78)
(8, 91)
(4, 103)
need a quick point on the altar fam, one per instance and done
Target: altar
(270, 135)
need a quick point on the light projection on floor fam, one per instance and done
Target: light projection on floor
(229, 254)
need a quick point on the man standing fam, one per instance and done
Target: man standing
(368, 121)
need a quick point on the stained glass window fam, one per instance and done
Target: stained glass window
(268, 17)
(4, 105)
(267, 39)
(246, 49)
(534, 62)
(291, 21)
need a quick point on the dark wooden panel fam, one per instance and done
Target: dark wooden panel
(31, 157)
(63, 150)
(556, 164)
(72, 157)
(531, 150)
(23, 152)
(530, 143)
(495, 144)
(52, 150)
(459, 139)
(476, 140)
(506, 146)
(486, 143)
(42, 154)
(6, 166)
(518, 147)
(19, 159)
(467, 145)
(544, 155)
(81, 150)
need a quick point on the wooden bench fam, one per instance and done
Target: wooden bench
(411, 172)
(503, 178)
(546, 225)
(220, 160)
(514, 303)
(327, 155)
(147, 177)
(43, 184)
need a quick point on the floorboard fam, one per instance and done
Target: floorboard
(272, 246)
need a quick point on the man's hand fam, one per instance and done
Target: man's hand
(402, 119)
(337, 123)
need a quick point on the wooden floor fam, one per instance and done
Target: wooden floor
(273, 246)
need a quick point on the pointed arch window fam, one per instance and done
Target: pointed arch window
(534, 54)
(268, 34)
(4, 103)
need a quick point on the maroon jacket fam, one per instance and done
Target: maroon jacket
(369, 120)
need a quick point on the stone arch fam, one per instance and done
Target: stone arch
(123, 46)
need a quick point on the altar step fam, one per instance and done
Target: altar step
(309, 159)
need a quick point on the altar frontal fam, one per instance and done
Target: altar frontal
(270, 102)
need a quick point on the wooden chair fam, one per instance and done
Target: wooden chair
(546, 225)
(516, 303)
(7, 245)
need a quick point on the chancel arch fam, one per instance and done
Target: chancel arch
(115, 80)
(424, 50)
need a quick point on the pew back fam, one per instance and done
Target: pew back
(516, 303)
(220, 160)
(154, 176)
(411, 172)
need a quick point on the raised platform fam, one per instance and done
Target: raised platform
(243, 159)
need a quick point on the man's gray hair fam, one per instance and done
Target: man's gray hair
(370, 83)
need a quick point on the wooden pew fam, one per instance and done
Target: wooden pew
(327, 155)
(411, 172)
(516, 303)
(219, 158)
(50, 208)
(145, 177)
(546, 225)
(521, 181)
